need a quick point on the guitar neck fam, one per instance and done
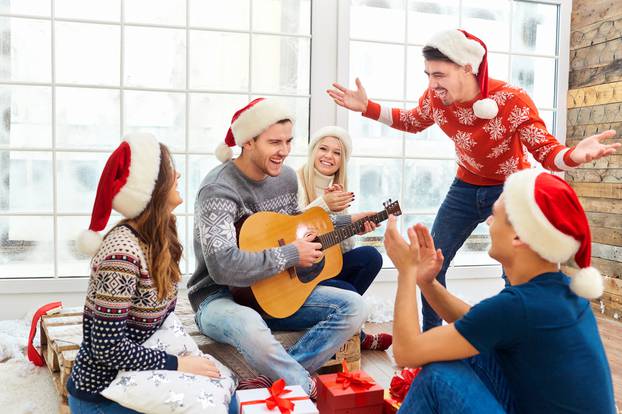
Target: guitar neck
(342, 233)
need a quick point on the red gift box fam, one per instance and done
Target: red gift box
(400, 384)
(349, 393)
(391, 405)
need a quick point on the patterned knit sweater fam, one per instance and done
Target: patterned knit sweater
(121, 312)
(225, 196)
(487, 150)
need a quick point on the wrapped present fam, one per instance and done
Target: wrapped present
(400, 384)
(349, 393)
(278, 399)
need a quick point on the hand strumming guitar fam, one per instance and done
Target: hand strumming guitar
(308, 251)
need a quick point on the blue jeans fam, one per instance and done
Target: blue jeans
(465, 206)
(360, 268)
(331, 316)
(473, 385)
(78, 406)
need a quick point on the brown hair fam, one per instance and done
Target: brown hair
(157, 227)
(432, 53)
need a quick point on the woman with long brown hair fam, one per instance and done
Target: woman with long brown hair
(134, 274)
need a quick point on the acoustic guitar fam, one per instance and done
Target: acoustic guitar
(281, 295)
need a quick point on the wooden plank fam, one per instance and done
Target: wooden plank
(607, 252)
(600, 205)
(578, 132)
(610, 221)
(601, 114)
(600, 55)
(608, 267)
(603, 235)
(595, 95)
(600, 190)
(585, 13)
(600, 31)
(611, 162)
(611, 72)
(594, 175)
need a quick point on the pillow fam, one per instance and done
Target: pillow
(163, 391)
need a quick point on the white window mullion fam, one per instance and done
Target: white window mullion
(54, 174)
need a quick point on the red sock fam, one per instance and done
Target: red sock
(258, 382)
(377, 342)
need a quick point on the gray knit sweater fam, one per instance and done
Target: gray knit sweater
(225, 196)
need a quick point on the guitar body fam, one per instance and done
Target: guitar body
(281, 295)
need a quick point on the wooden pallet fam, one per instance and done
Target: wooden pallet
(61, 336)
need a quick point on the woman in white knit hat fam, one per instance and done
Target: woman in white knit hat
(134, 274)
(322, 183)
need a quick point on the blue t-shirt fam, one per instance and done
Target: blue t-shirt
(547, 344)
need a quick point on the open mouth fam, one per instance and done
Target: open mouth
(441, 93)
(276, 161)
(326, 163)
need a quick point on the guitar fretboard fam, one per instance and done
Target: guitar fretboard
(338, 235)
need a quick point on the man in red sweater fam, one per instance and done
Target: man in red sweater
(493, 125)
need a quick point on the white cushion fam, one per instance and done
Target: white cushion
(163, 391)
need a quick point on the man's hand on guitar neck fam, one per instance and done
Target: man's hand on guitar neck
(308, 252)
(369, 225)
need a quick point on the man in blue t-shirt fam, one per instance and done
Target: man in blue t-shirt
(532, 348)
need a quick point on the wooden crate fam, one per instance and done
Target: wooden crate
(61, 336)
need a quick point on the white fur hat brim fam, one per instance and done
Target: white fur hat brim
(134, 196)
(457, 47)
(333, 131)
(256, 119)
(530, 223)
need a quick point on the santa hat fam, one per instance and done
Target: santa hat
(333, 131)
(126, 185)
(250, 121)
(546, 214)
(465, 49)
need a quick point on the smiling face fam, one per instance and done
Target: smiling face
(449, 81)
(328, 156)
(270, 149)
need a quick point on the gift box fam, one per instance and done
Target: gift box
(391, 405)
(349, 393)
(278, 399)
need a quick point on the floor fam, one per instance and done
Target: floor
(381, 366)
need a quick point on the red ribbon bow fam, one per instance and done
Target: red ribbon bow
(277, 389)
(400, 384)
(353, 379)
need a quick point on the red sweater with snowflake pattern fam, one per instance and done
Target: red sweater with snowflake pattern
(487, 150)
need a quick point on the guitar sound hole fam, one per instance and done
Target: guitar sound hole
(307, 274)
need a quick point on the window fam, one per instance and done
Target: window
(76, 76)
(382, 46)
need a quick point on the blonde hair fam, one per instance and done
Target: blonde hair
(306, 172)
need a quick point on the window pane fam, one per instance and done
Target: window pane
(96, 125)
(374, 181)
(179, 161)
(534, 28)
(474, 251)
(416, 79)
(219, 61)
(301, 126)
(27, 7)
(488, 20)
(377, 20)
(281, 64)
(282, 16)
(87, 53)
(296, 162)
(425, 183)
(428, 17)
(27, 111)
(230, 14)
(498, 66)
(160, 113)
(536, 76)
(431, 142)
(109, 10)
(155, 57)
(209, 118)
(380, 68)
(25, 51)
(71, 261)
(167, 12)
(374, 138)
(26, 181)
(199, 166)
(77, 178)
(26, 247)
(549, 120)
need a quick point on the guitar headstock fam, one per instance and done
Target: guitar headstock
(392, 207)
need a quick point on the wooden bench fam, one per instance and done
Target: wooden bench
(61, 336)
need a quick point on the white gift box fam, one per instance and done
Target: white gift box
(303, 406)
